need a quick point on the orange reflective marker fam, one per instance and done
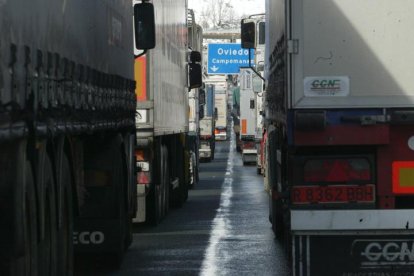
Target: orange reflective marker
(244, 126)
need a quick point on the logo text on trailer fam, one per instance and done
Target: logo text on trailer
(377, 253)
(86, 237)
(334, 86)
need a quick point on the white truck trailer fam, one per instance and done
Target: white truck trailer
(339, 100)
(220, 99)
(207, 125)
(221, 109)
(247, 116)
(163, 116)
(196, 105)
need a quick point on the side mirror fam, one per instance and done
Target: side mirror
(195, 75)
(195, 56)
(248, 34)
(201, 113)
(144, 24)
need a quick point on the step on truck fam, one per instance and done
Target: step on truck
(207, 125)
(67, 131)
(339, 101)
(164, 143)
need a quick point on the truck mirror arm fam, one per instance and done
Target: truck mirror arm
(253, 69)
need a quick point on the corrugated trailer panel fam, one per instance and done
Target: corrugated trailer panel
(166, 74)
(44, 28)
(355, 55)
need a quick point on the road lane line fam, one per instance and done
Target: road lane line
(221, 223)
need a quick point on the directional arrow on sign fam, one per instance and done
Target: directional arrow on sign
(214, 68)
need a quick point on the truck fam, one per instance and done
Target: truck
(220, 103)
(259, 94)
(251, 80)
(220, 98)
(235, 113)
(164, 142)
(196, 102)
(207, 125)
(247, 116)
(67, 134)
(339, 102)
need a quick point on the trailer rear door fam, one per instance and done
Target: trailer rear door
(352, 53)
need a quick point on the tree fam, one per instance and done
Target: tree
(219, 14)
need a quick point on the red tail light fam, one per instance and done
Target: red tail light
(143, 178)
(338, 170)
(249, 145)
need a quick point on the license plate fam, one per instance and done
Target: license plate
(333, 194)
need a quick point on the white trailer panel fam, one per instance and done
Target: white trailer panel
(166, 79)
(356, 55)
(221, 106)
(247, 104)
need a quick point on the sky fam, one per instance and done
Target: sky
(240, 6)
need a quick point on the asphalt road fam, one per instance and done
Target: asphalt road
(222, 229)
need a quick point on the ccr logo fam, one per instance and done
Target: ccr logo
(385, 252)
(326, 84)
(95, 237)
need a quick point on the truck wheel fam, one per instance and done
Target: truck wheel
(277, 219)
(154, 201)
(27, 264)
(65, 240)
(48, 244)
(178, 194)
(165, 180)
(120, 181)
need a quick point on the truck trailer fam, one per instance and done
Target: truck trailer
(247, 116)
(207, 126)
(220, 105)
(196, 102)
(339, 106)
(67, 131)
(164, 142)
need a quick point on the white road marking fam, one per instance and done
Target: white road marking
(221, 225)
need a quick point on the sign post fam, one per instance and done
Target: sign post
(227, 58)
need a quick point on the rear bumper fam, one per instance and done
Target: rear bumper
(205, 153)
(221, 137)
(337, 220)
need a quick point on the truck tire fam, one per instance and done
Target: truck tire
(277, 219)
(48, 243)
(27, 263)
(178, 194)
(119, 174)
(154, 202)
(165, 180)
(65, 240)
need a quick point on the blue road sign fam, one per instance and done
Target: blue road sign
(227, 58)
